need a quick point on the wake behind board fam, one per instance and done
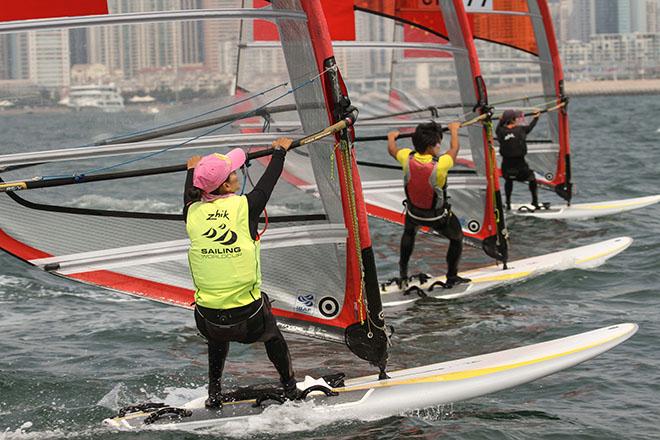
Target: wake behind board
(584, 210)
(405, 390)
(583, 257)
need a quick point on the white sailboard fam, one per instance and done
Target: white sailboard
(404, 390)
(490, 277)
(584, 210)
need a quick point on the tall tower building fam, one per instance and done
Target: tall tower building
(221, 38)
(607, 16)
(14, 62)
(583, 20)
(78, 46)
(49, 58)
(652, 16)
(632, 16)
(638, 11)
(192, 36)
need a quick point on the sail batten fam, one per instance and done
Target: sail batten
(176, 250)
(244, 140)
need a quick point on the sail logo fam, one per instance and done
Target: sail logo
(308, 300)
(305, 303)
(470, 5)
(218, 215)
(221, 234)
(509, 136)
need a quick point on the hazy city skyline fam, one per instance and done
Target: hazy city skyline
(599, 39)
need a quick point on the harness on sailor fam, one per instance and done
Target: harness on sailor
(440, 207)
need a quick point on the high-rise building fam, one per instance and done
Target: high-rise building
(78, 46)
(220, 38)
(652, 15)
(638, 16)
(14, 63)
(583, 20)
(563, 24)
(49, 58)
(606, 16)
(632, 16)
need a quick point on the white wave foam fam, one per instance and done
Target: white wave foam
(10, 281)
(287, 418)
(103, 202)
(275, 420)
(23, 434)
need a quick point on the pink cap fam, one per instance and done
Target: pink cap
(215, 168)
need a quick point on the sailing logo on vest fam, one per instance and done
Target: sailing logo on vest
(222, 235)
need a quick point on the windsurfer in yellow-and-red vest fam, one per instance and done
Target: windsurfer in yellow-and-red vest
(225, 263)
(425, 182)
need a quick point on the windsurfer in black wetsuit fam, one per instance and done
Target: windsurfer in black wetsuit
(513, 148)
(226, 270)
(425, 182)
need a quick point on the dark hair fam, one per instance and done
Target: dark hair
(426, 135)
(194, 194)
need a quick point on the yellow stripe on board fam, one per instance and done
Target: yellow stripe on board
(599, 255)
(503, 277)
(461, 375)
(616, 205)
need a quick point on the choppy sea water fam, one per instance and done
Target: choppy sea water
(71, 354)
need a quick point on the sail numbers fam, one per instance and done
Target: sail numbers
(470, 5)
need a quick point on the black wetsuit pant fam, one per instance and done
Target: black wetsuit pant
(517, 169)
(251, 323)
(449, 226)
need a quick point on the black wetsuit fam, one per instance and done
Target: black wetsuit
(449, 226)
(513, 148)
(252, 322)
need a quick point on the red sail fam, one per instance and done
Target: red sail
(33, 9)
(338, 14)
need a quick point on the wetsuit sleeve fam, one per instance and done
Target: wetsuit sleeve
(445, 163)
(187, 201)
(531, 126)
(402, 157)
(499, 132)
(259, 196)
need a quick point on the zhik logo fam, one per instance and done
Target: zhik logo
(217, 215)
(221, 234)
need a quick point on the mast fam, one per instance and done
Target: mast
(553, 85)
(366, 338)
(475, 99)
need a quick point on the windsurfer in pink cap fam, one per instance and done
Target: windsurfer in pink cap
(512, 137)
(225, 264)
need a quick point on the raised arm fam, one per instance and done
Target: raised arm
(454, 145)
(532, 124)
(392, 149)
(188, 196)
(260, 194)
